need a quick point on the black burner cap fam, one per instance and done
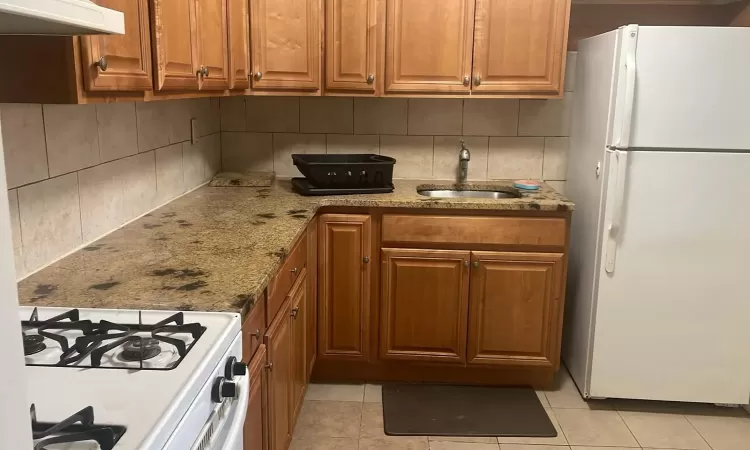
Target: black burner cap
(33, 343)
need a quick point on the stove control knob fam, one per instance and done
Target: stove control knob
(223, 389)
(234, 368)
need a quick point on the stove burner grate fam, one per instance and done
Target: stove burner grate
(79, 427)
(140, 349)
(33, 343)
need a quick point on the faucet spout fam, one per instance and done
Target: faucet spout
(463, 163)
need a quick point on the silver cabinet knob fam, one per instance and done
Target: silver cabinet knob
(476, 264)
(256, 335)
(102, 64)
(467, 80)
(466, 264)
(269, 366)
(366, 259)
(370, 79)
(258, 76)
(477, 80)
(205, 71)
(294, 270)
(200, 71)
(295, 311)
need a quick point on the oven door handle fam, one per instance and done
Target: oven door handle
(237, 427)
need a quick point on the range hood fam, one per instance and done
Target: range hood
(58, 17)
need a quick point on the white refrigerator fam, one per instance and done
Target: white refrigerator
(658, 303)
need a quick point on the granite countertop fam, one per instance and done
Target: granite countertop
(216, 248)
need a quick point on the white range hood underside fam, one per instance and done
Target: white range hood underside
(58, 17)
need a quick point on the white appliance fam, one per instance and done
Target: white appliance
(659, 167)
(58, 17)
(146, 380)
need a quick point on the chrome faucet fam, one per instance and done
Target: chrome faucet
(463, 163)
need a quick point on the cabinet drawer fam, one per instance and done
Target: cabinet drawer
(290, 270)
(253, 329)
(405, 228)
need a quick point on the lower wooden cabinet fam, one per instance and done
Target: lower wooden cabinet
(298, 318)
(515, 308)
(255, 421)
(279, 343)
(424, 305)
(344, 283)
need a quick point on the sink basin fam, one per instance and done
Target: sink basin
(453, 193)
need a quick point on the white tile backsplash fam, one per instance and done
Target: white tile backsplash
(111, 183)
(272, 114)
(414, 155)
(246, 151)
(72, 137)
(435, 116)
(352, 143)
(326, 115)
(545, 117)
(446, 157)
(555, 158)
(515, 157)
(118, 133)
(232, 113)
(23, 141)
(490, 117)
(287, 144)
(380, 115)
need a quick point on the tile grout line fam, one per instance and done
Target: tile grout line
(698, 431)
(628, 427)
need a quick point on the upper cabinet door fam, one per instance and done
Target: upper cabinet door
(515, 309)
(211, 25)
(174, 44)
(120, 62)
(239, 44)
(353, 31)
(429, 45)
(285, 44)
(519, 46)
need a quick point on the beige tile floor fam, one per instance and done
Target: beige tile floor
(350, 417)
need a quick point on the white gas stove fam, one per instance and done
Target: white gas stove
(123, 379)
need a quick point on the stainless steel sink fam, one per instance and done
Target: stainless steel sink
(452, 193)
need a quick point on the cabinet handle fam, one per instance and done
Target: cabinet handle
(477, 80)
(366, 259)
(467, 80)
(370, 79)
(476, 264)
(102, 64)
(466, 264)
(269, 366)
(258, 76)
(200, 71)
(256, 334)
(294, 270)
(295, 311)
(205, 71)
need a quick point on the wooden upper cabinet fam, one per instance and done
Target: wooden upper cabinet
(120, 62)
(174, 44)
(353, 36)
(344, 279)
(211, 27)
(285, 44)
(515, 309)
(239, 44)
(520, 46)
(429, 45)
(424, 305)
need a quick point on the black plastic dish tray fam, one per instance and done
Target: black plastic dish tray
(346, 171)
(303, 187)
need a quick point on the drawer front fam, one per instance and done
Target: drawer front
(541, 231)
(253, 329)
(279, 287)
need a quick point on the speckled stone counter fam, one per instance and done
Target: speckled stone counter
(216, 248)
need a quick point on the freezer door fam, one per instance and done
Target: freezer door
(691, 88)
(672, 310)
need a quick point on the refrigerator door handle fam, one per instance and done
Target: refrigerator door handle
(616, 222)
(622, 136)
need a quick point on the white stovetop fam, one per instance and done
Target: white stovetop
(149, 403)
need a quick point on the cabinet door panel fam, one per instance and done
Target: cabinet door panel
(298, 318)
(428, 45)
(344, 278)
(352, 33)
(519, 45)
(211, 24)
(515, 308)
(424, 305)
(239, 44)
(255, 420)
(127, 57)
(174, 44)
(285, 44)
(279, 346)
